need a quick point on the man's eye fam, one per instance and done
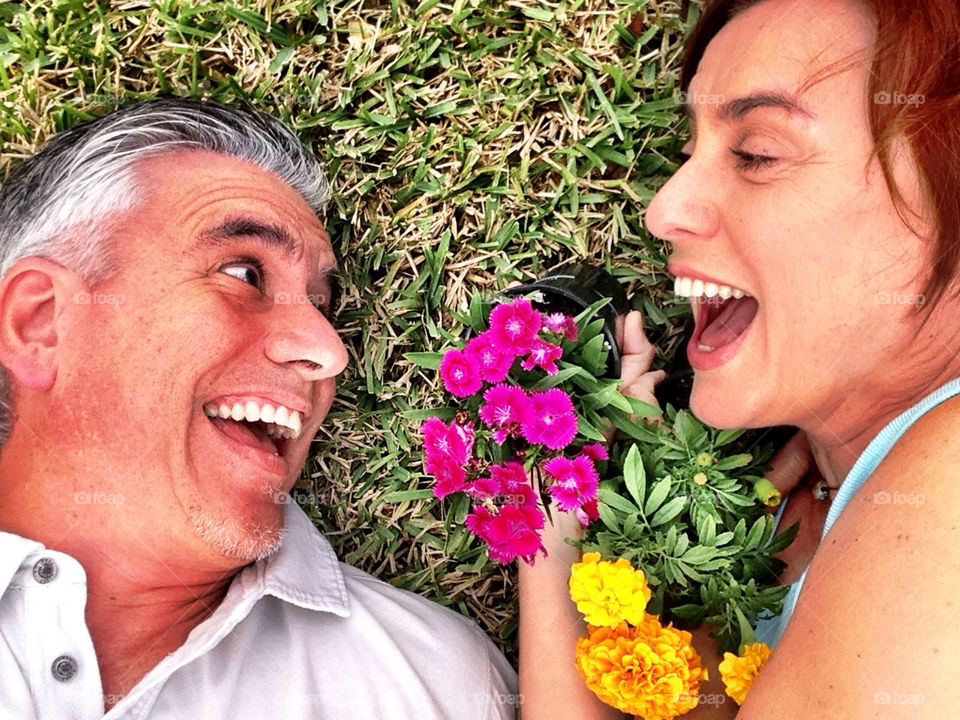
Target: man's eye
(248, 271)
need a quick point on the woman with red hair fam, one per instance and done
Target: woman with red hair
(822, 182)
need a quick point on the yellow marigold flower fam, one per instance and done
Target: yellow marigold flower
(607, 593)
(648, 670)
(700, 478)
(738, 672)
(704, 459)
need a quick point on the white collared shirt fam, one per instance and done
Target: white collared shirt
(299, 635)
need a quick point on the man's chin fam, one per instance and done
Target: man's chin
(237, 540)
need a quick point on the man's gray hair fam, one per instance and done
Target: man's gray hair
(59, 203)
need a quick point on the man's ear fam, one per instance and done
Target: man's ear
(33, 295)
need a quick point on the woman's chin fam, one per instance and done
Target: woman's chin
(721, 409)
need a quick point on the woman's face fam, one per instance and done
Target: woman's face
(782, 199)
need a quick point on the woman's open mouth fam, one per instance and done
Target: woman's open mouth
(723, 313)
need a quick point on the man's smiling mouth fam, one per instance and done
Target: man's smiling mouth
(255, 423)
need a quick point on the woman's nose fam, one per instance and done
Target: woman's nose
(687, 206)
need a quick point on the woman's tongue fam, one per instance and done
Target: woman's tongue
(730, 322)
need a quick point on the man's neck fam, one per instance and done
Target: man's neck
(134, 627)
(142, 601)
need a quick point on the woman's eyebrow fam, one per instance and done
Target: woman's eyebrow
(738, 108)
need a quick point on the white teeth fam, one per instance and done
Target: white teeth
(267, 413)
(279, 421)
(693, 287)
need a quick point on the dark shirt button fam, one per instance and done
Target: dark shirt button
(64, 668)
(44, 570)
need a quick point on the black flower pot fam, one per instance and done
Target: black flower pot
(572, 290)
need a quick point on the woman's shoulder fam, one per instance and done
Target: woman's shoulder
(876, 622)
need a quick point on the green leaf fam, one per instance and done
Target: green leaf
(756, 533)
(783, 539)
(634, 475)
(617, 502)
(608, 518)
(657, 495)
(280, 59)
(733, 461)
(707, 529)
(669, 511)
(403, 495)
(699, 554)
(683, 427)
(429, 360)
(725, 437)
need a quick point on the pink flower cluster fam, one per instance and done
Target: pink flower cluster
(514, 332)
(506, 515)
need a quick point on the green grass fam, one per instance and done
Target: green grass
(471, 143)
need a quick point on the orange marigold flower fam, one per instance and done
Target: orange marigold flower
(648, 670)
(738, 672)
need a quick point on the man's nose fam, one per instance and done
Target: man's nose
(300, 335)
(687, 206)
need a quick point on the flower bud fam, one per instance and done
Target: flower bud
(767, 492)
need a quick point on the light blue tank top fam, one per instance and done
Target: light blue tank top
(770, 630)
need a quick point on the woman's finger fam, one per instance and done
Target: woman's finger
(791, 463)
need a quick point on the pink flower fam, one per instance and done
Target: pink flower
(552, 420)
(511, 533)
(588, 513)
(460, 373)
(514, 326)
(446, 449)
(596, 451)
(505, 410)
(450, 478)
(442, 442)
(561, 325)
(544, 355)
(513, 482)
(494, 361)
(483, 488)
(576, 481)
(507, 485)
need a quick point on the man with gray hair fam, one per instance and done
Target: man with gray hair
(166, 301)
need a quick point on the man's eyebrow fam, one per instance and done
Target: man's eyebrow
(266, 233)
(739, 108)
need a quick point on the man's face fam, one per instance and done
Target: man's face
(219, 307)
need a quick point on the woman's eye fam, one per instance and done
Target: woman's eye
(249, 272)
(747, 161)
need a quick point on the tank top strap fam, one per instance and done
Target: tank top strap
(881, 445)
(770, 630)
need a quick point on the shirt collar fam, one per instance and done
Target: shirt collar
(305, 570)
(13, 551)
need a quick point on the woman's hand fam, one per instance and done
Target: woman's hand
(636, 356)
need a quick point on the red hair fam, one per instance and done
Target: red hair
(916, 54)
